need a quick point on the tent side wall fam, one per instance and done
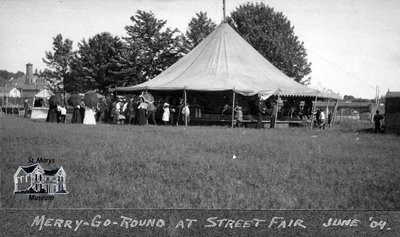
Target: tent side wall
(392, 114)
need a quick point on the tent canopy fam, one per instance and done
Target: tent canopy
(225, 61)
(44, 94)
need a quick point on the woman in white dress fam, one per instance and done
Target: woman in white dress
(166, 114)
(89, 116)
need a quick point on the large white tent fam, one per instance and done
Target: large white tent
(225, 61)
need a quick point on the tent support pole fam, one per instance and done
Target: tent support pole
(327, 107)
(327, 111)
(184, 94)
(233, 109)
(277, 109)
(334, 114)
(313, 111)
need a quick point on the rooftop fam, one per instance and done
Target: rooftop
(30, 168)
(393, 94)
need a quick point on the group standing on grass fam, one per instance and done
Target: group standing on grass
(83, 114)
(135, 110)
(56, 114)
(138, 110)
(262, 110)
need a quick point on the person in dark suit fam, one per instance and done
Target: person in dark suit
(261, 108)
(377, 121)
(52, 114)
(142, 111)
(82, 111)
(27, 109)
(273, 114)
(76, 115)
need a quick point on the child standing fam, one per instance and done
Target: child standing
(63, 111)
(239, 116)
(186, 113)
(166, 114)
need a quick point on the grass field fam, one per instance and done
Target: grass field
(110, 166)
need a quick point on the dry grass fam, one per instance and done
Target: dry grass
(169, 167)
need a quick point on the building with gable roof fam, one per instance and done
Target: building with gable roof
(34, 179)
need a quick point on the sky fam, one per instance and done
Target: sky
(353, 45)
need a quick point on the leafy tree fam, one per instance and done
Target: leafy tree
(98, 62)
(199, 28)
(153, 48)
(130, 70)
(5, 77)
(273, 36)
(348, 98)
(59, 62)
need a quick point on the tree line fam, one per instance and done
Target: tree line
(6, 76)
(149, 47)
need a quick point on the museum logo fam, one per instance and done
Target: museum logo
(35, 180)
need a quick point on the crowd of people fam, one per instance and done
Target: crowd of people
(132, 110)
(56, 114)
(137, 110)
(83, 114)
(323, 118)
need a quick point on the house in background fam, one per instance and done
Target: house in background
(29, 84)
(9, 92)
(392, 112)
(32, 84)
(34, 179)
(9, 97)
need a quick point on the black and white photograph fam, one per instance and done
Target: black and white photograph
(200, 118)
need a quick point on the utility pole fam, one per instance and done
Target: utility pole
(377, 97)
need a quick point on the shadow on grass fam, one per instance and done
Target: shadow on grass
(366, 130)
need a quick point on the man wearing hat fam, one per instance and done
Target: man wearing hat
(377, 120)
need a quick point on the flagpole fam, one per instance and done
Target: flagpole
(223, 9)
